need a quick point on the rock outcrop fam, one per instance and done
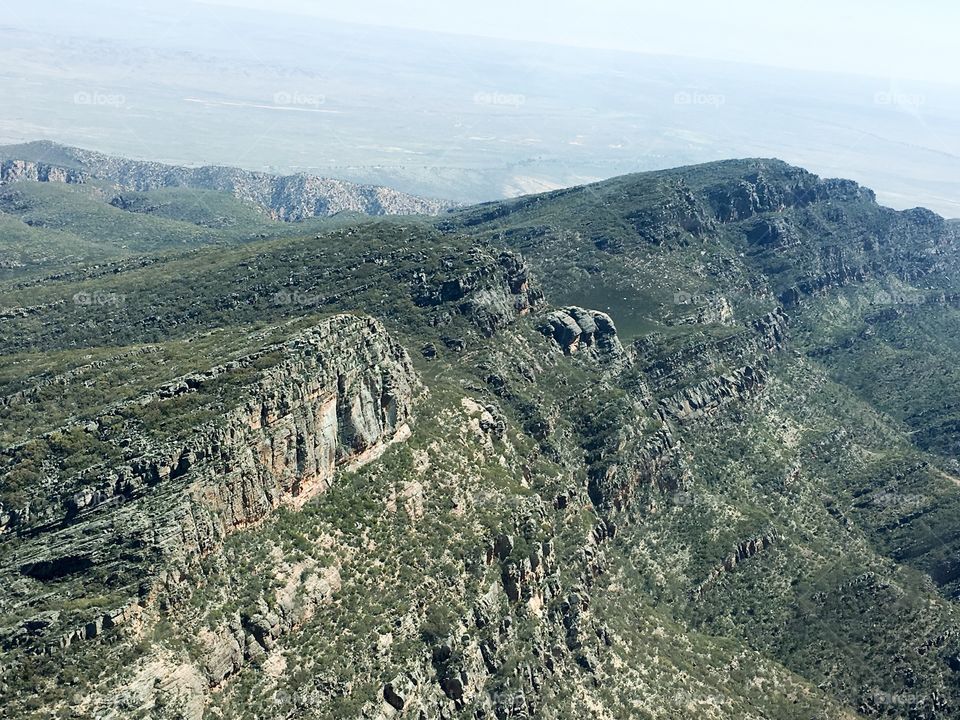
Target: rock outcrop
(744, 551)
(566, 513)
(676, 217)
(777, 187)
(760, 337)
(708, 396)
(17, 170)
(683, 387)
(589, 332)
(492, 291)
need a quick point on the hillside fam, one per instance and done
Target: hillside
(677, 444)
(288, 198)
(55, 223)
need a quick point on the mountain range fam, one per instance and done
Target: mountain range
(676, 444)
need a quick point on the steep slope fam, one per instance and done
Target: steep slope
(290, 198)
(714, 244)
(686, 257)
(650, 468)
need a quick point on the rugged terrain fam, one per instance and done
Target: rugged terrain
(290, 197)
(678, 444)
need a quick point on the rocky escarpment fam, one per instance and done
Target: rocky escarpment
(761, 336)
(697, 492)
(672, 390)
(829, 232)
(290, 197)
(17, 170)
(677, 215)
(744, 551)
(772, 189)
(710, 395)
(473, 666)
(469, 664)
(333, 396)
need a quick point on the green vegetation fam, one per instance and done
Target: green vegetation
(560, 532)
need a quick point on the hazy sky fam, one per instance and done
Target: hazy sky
(890, 39)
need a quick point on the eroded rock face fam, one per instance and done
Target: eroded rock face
(677, 216)
(493, 292)
(768, 190)
(398, 691)
(765, 334)
(336, 396)
(773, 233)
(15, 170)
(708, 396)
(744, 551)
(716, 310)
(576, 329)
(533, 519)
(683, 388)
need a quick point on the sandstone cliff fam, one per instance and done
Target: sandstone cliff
(332, 397)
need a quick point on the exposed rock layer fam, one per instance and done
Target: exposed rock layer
(333, 396)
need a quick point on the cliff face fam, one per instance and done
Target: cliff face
(491, 292)
(332, 397)
(17, 170)
(288, 198)
(638, 455)
(767, 190)
(763, 335)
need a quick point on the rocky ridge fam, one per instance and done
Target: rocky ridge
(288, 198)
(332, 397)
